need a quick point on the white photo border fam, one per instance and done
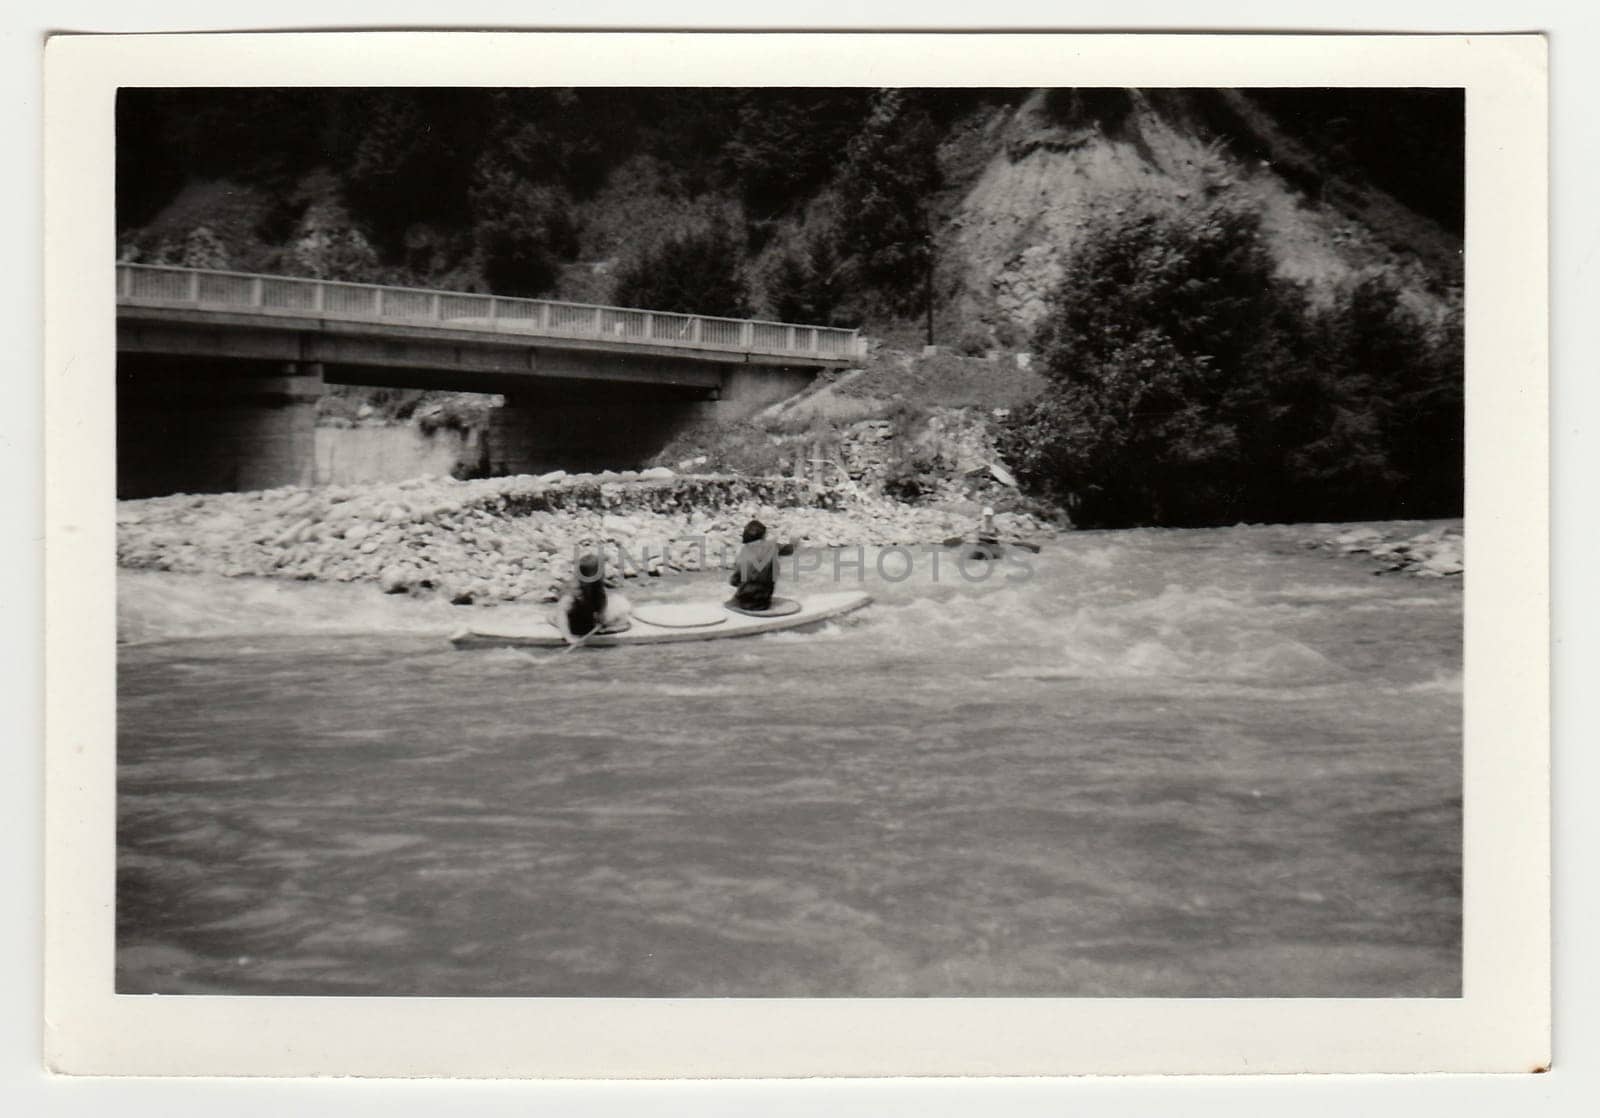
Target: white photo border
(1501, 1023)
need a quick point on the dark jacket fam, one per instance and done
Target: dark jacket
(585, 603)
(755, 573)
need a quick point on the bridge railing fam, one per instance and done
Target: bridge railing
(161, 285)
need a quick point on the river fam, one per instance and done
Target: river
(1169, 763)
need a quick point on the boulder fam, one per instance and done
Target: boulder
(395, 579)
(291, 534)
(619, 527)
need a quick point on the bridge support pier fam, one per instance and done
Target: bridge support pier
(186, 425)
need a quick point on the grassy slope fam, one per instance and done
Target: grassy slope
(918, 396)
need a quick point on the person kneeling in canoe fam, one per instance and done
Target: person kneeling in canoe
(755, 569)
(586, 607)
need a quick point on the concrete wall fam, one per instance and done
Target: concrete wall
(355, 455)
(186, 426)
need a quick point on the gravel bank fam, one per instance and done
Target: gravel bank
(508, 539)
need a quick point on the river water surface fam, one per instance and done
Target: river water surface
(1171, 763)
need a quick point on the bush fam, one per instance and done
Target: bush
(914, 477)
(1009, 336)
(1189, 384)
(973, 342)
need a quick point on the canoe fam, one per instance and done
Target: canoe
(669, 623)
(976, 548)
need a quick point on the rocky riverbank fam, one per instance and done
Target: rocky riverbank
(1435, 553)
(512, 538)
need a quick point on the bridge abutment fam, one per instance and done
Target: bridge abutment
(197, 425)
(746, 389)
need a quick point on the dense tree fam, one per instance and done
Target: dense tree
(788, 142)
(523, 232)
(1106, 108)
(807, 283)
(1409, 374)
(1406, 141)
(890, 174)
(1190, 384)
(696, 272)
(415, 157)
(565, 137)
(521, 221)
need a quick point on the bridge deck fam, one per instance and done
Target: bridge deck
(157, 287)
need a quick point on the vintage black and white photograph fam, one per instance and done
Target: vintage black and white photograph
(789, 542)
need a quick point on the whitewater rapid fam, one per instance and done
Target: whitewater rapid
(1165, 762)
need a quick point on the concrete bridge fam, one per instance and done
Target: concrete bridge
(218, 372)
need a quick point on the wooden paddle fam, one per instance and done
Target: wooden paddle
(957, 541)
(581, 641)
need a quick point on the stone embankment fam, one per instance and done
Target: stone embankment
(1435, 553)
(512, 538)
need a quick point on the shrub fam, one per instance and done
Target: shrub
(913, 477)
(1009, 336)
(973, 342)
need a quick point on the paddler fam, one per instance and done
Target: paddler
(987, 533)
(985, 543)
(755, 569)
(586, 607)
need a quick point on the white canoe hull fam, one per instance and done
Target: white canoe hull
(538, 632)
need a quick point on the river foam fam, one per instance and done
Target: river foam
(156, 606)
